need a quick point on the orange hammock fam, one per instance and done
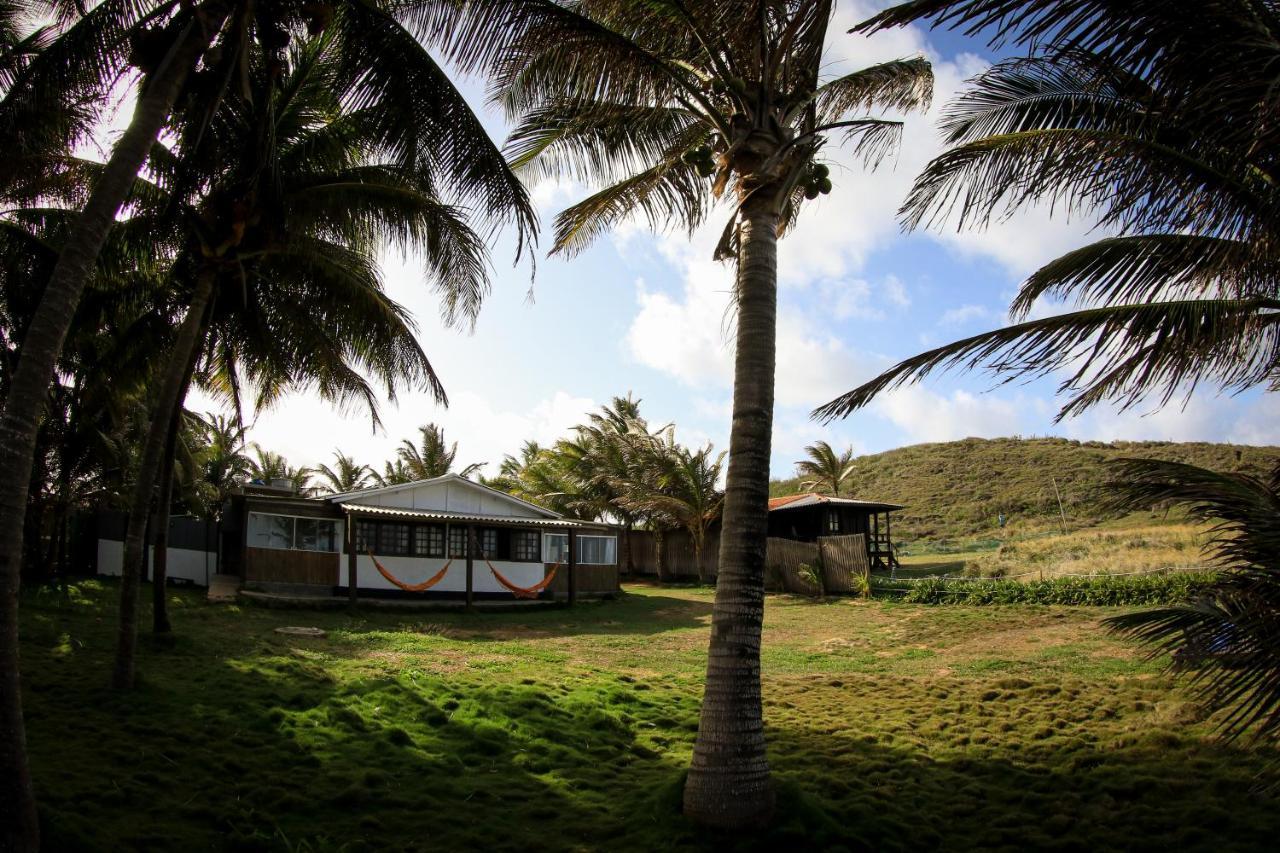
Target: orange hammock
(410, 587)
(525, 591)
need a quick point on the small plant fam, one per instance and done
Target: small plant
(812, 576)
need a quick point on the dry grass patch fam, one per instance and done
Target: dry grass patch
(1093, 552)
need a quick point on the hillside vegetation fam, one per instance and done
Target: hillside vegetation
(956, 490)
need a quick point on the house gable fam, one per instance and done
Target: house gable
(449, 493)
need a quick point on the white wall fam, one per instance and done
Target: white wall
(184, 563)
(413, 570)
(453, 496)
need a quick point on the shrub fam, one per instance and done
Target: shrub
(1100, 591)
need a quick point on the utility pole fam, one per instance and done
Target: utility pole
(1061, 511)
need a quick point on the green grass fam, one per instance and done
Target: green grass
(890, 726)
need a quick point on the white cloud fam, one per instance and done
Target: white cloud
(685, 337)
(963, 314)
(896, 292)
(308, 430)
(924, 415)
(1205, 417)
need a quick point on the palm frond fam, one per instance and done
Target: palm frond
(903, 84)
(599, 141)
(1131, 182)
(422, 118)
(1148, 268)
(670, 194)
(1228, 640)
(1123, 353)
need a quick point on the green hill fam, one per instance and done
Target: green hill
(956, 490)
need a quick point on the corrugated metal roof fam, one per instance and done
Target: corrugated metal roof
(798, 501)
(435, 515)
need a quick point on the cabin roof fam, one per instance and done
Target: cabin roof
(811, 499)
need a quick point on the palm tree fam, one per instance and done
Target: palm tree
(549, 477)
(671, 106)
(1156, 118)
(599, 456)
(346, 475)
(394, 473)
(1225, 640)
(280, 260)
(221, 456)
(432, 456)
(680, 487)
(207, 44)
(827, 469)
(267, 466)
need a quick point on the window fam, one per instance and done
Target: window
(457, 541)
(315, 534)
(487, 538)
(270, 531)
(833, 521)
(428, 540)
(592, 550)
(524, 546)
(598, 550)
(393, 539)
(289, 533)
(366, 536)
(557, 547)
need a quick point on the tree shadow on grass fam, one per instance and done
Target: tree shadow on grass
(1155, 792)
(233, 742)
(647, 614)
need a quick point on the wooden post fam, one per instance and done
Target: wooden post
(888, 536)
(875, 538)
(572, 566)
(351, 559)
(471, 550)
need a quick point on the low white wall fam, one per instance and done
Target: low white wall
(184, 564)
(413, 570)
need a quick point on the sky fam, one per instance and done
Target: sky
(644, 313)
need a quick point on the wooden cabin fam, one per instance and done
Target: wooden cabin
(803, 518)
(806, 517)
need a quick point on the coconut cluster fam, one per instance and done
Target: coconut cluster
(701, 159)
(816, 181)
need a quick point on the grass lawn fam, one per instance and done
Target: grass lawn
(890, 727)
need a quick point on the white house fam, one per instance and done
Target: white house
(411, 540)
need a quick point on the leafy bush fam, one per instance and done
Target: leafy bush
(1101, 591)
(812, 576)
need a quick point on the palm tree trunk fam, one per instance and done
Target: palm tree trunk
(628, 564)
(697, 562)
(160, 563)
(659, 554)
(729, 784)
(170, 397)
(41, 346)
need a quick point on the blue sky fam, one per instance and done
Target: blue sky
(643, 313)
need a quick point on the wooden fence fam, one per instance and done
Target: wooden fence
(833, 564)
(677, 551)
(845, 567)
(842, 560)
